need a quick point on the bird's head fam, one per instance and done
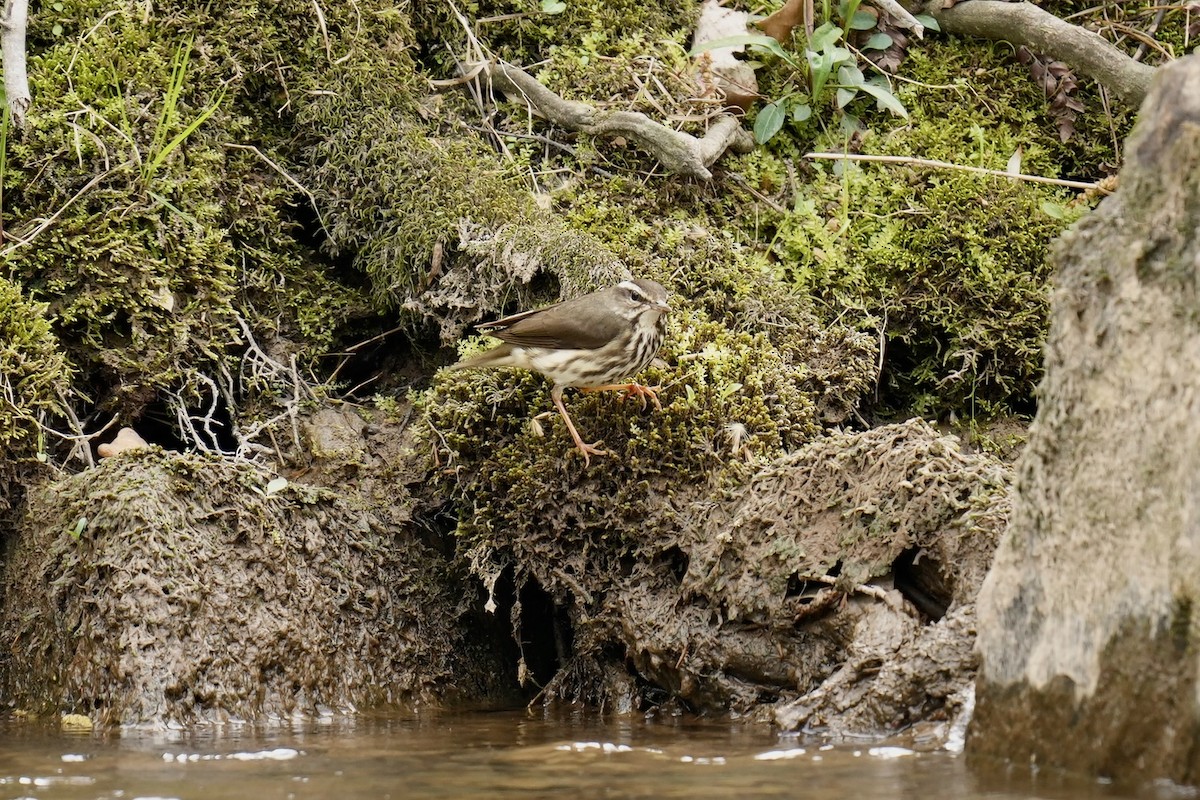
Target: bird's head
(641, 298)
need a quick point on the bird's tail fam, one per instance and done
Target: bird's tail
(496, 357)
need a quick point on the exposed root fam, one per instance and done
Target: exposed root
(677, 151)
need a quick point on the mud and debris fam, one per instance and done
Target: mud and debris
(831, 591)
(173, 589)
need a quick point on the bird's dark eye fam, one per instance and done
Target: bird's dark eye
(636, 296)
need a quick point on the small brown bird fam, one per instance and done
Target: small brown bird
(590, 342)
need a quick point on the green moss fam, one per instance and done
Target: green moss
(586, 33)
(950, 265)
(147, 269)
(34, 375)
(727, 397)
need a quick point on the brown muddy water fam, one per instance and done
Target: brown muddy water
(497, 755)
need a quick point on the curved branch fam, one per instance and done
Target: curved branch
(1042, 32)
(678, 152)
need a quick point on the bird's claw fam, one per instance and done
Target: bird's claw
(589, 450)
(628, 390)
(643, 393)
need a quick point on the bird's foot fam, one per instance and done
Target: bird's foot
(589, 450)
(629, 390)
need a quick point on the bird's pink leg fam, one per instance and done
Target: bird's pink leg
(587, 449)
(630, 390)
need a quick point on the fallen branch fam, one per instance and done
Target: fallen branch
(12, 48)
(925, 162)
(1044, 33)
(678, 152)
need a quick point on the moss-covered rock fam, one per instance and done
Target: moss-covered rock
(167, 224)
(171, 589)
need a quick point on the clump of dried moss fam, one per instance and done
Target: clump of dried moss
(851, 504)
(163, 588)
(757, 596)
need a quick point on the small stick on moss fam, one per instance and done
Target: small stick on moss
(926, 162)
(679, 152)
(46, 223)
(311, 198)
(745, 184)
(876, 592)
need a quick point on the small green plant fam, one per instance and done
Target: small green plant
(77, 531)
(160, 148)
(826, 73)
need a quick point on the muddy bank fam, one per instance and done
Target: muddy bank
(832, 590)
(170, 589)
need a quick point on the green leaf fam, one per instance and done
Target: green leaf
(820, 66)
(801, 112)
(740, 40)
(1053, 210)
(851, 76)
(880, 41)
(277, 485)
(768, 122)
(884, 98)
(825, 36)
(805, 206)
(929, 22)
(553, 6)
(80, 526)
(840, 55)
(57, 29)
(844, 96)
(863, 21)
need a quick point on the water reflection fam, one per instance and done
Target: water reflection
(488, 755)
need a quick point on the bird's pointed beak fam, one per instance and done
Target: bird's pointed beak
(662, 306)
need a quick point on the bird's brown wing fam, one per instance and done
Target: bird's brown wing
(582, 323)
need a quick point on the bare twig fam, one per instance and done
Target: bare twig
(745, 184)
(874, 592)
(311, 198)
(46, 223)
(324, 29)
(925, 162)
(80, 441)
(678, 152)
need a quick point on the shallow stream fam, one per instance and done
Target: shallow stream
(494, 755)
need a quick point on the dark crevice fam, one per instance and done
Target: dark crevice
(922, 582)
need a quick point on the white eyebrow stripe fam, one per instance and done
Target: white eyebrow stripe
(630, 286)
